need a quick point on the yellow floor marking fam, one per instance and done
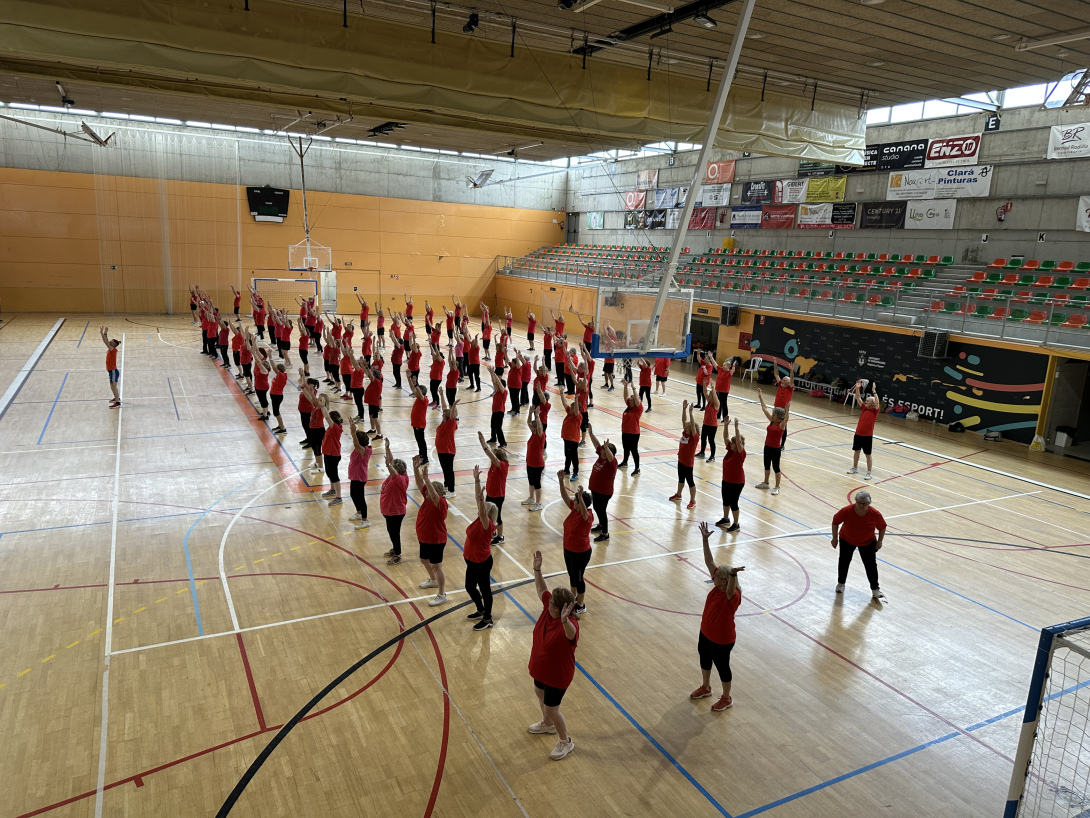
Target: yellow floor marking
(260, 560)
(160, 600)
(312, 542)
(240, 567)
(770, 610)
(138, 610)
(47, 658)
(296, 548)
(278, 553)
(2, 686)
(118, 619)
(24, 673)
(96, 633)
(73, 644)
(181, 591)
(202, 582)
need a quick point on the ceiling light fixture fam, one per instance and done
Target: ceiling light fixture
(472, 23)
(875, 63)
(871, 2)
(705, 20)
(999, 37)
(756, 35)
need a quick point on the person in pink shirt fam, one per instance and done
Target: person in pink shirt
(358, 464)
(392, 502)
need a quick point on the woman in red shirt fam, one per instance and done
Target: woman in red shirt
(436, 375)
(686, 454)
(473, 359)
(499, 401)
(864, 428)
(577, 526)
(331, 450)
(723, 374)
(444, 442)
(645, 381)
(452, 376)
(418, 418)
(531, 325)
(734, 477)
(514, 382)
(570, 433)
(431, 531)
(717, 632)
(372, 396)
(630, 427)
(701, 379)
(358, 463)
(558, 322)
(560, 361)
(397, 358)
(857, 526)
(710, 427)
(112, 370)
(480, 536)
(535, 458)
(662, 374)
(543, 407)
(262, 368)
(414, 362)
(392, 501)
(496, 484)
(276, 395)
(548, 348)
(304, 347)
(774, 434)
(603, 475)
(315, 425)
(552, 660)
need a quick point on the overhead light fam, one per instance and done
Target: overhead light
(871, 2)
(999, 37)
(472, 23)
(756, 35)
(705, 20)
(385, 128)
(1058, 39)
(875, 63)
(566, 5)
(66, 101)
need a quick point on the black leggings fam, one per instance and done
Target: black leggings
(630, 442)
(515, 399)
(357, 396)
(723, 414)
(699, 397)
(263, 398)
(393, 528)
(435, 390)
(571, 456)
(276, 401)
(772, 459)
(600, 503)
(421, 443)
(576, 562)
(475, 376)
(497, 429)
(707, 437)
(452, 393)
(446, 460)
(645, 391)
(479, 585)
(397, 376)
(559, 373)
(868, 553)
(223, 354)
(548, 359)
(712, 653)
(355, 491)
(569, 383)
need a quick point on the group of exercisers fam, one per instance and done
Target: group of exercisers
(262, 367)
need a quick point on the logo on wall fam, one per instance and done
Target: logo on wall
(953, 150)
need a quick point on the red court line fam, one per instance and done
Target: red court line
(250, 682)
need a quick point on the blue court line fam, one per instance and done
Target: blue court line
(185, 547)
(85, 326)
(51, 409)
(172, 400)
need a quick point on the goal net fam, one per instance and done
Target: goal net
(1051, 776)
(283, 293)
(626, 317)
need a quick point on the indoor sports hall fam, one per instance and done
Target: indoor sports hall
(417, 409)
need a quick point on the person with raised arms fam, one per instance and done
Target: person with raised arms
(630, 427)
(535, 458)
(576, 539)
(603, 475)
(496, 483)
(645, 381)
(734, 477)
(710, 427)
(774, 435)
(569, 433)
(431, 531)
(499, 401)
(863, 441)
(477, 552)
(392, 502)
(358, 464)
(331, 450)
(717, 630)
(444, 442)
(531, 326)
(686, 454)
(112, 370)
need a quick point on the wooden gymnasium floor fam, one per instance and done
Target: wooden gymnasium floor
(842, 707)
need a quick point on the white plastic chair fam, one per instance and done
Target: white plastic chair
(754, 364)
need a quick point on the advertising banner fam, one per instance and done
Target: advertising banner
(656, 219)
(808, 168)
(1069, 141)
(630, 219)
(953, 150)
(703, 218)
(635, 199)
(713, 195)
(673, 219)
(778, 216)
(907, 155)
(642, 218)
(682, 195)
(826, 189)
(883, 215)
(647, 179)
(666, 197)
(827, 216)
(719, 173)
(596, 219)
(941, 183)
(789, 191)
(1082, 218)
(747, 216)
(870, 161)
(757, 192)
(935, 214)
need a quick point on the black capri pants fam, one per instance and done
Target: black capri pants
(497, 429)
(685, 474)
(263, 398)
(276, 401)
(576, 563)
(435, 390)
(393, 528)
(421, 444)
(499, 508)
(332, 465)
(359, 497)
(772, 458)
(707, 437)
(446, 460)
(533, 475)
(571, 456)
(723, 404)
(712, 653)
(630, 442)
(868, 553)
(731, 492)
(600, 503)
(645, 392)
(479, 585)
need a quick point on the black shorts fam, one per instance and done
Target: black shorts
(661, 379)
(498, 502)
(247, 370)
(731, 493)
(863, 444)
(236, 310)
(432, 552)
(533, 474)
(193, 307)
(607, 369)
(530, 337)
(283, 346)
(373, 409)
(553, 695)
(381, 331)
(684, 474)
(450, 334)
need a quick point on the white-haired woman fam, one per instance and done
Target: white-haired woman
(864, 427)
(717, 632)
(774, 435)
(859, 527)
(478, 555)
(552, 660)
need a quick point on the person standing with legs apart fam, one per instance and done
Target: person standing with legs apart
(723, 374)
(662, 374)
(569, 433)
(111, 365)
(686, 455)
(372, 397)
(862, 528)
(316, 424)
(630, 427)
(473, 358)
(711, 423)
(552, 660)
(438, 363)
(535, 459)
(392, 501)
(480, 534)
(603, 474)
(577, 526)
(864, 427)
(548, 351)
(358, 463)
(717, 631)
(444, 442)
(645, 381)
(734, 477)
(496, 484)
(774, 435)
(431, 531)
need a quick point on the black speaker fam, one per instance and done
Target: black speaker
(729, 316)
(933, 344)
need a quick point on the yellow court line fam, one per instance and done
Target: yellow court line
(296, 548)
(278, 553)
(2, 685)
(260, 560)
(118, 619)
(160, 600)
(202, 582)
(47, 658)
(24, 673)
(96, 633)
(240, 567)
(181, 590)
(73, 644)
(138, 610)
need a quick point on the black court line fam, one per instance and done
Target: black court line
(290, 725)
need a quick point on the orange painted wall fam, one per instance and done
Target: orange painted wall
(59, 237)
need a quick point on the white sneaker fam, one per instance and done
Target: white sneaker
(438, 600)
(877, 594)
(853, 470)
(536, 507)
(561, 749)
(540, 727)
(761, 485)
(362, 524)
(867, 476)
(776, 490)
(355, 518)
(429, 583)
(840, 587)
(529, 501)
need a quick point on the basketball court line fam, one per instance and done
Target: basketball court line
(23, 373)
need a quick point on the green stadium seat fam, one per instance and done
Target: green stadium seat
(951, 307)
(1018, 315)
(887, 301)
(992, 278)
(928, 274)
(1082, 267)
(982, 311)
(1061, 283)
(1047, 266)
(1026, 281)
(1015, 264)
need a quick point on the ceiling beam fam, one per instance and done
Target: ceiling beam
(652, 25)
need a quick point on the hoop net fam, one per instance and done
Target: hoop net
(283, 292)
(626, 318)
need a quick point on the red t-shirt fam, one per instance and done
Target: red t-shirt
(398, 355)
(722, 380)
(419, 414)
(865, 426)
(588, 334)
(548, 340)
(367, 345)
(783, 395)
(543, 412)
(392, 497)
(602, 474)
(686, 450)
(773, 435)
(552, 657)
(414, 361)
(499, 400)
(431, 521)
(450, 322)
(486, 332)
(444, 436)
(473, 354)
(856, 530)
(559, 326)
(496, 483)
(278, 382)
(630, 419)
(317, 419)
(535, 451)
(478, 544)
(645, 375)
(261, 380)
(409, 310)
(701, 375)
(236, 342)
(372, 395)
(436, 373)
(304, 341)
(662, 367)
(527, 371)
(711, 417)
(717, 622)
(577, 530)
(732, 467)
(304, 404)
(569, 430)
(514, 380)
(452, 378)
(331, 443)
(111, 358)
(532, 325)
(346, 366)
(245, 356)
